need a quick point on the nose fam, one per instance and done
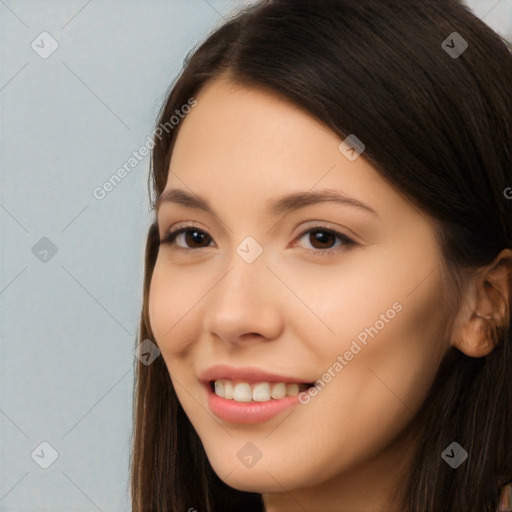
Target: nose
(244, 306)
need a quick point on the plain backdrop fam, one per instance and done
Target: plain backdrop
(81, 83)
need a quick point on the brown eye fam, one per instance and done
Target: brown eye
(323, 240)
(192, 237)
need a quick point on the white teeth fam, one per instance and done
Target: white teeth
(260, 392)
(278, 390)
(242, 392)
(219, 388)
(228, 389)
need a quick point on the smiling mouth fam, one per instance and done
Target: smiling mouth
(256, 392)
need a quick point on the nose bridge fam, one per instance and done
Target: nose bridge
(243, 283)
(240, 302)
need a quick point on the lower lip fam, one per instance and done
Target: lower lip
(248, 412)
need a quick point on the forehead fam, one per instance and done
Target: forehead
(241, 132)
(243, 128)
(241, 146)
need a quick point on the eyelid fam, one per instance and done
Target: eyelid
(319, 224)
(179, 225)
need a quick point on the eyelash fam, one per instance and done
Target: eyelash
(347, 242)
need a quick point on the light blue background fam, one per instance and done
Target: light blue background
(68, 326)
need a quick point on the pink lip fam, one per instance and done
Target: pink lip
(247, 412)
(245, 374)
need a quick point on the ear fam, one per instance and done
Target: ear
(484, 315)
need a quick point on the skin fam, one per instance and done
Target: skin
(293, 312)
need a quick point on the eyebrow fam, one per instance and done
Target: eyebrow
(279, 206)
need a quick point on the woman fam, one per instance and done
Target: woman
(328, 278)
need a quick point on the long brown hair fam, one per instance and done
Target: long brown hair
(438, 128)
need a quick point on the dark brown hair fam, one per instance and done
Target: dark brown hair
(439, 130)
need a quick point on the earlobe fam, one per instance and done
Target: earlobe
(478, 337)
(485, 315)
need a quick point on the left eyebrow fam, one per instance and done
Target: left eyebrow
(183, 197)
(278, 206)
(298, 200)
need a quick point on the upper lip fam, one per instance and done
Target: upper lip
(245, 374)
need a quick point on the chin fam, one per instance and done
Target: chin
(253, 480)
(267, 475)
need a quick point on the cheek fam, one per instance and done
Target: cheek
(389, 365)
(369, 402)
(160, 306)
(171, 299)
(388, 345)
(388, 317)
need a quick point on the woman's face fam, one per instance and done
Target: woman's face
(263, 293)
